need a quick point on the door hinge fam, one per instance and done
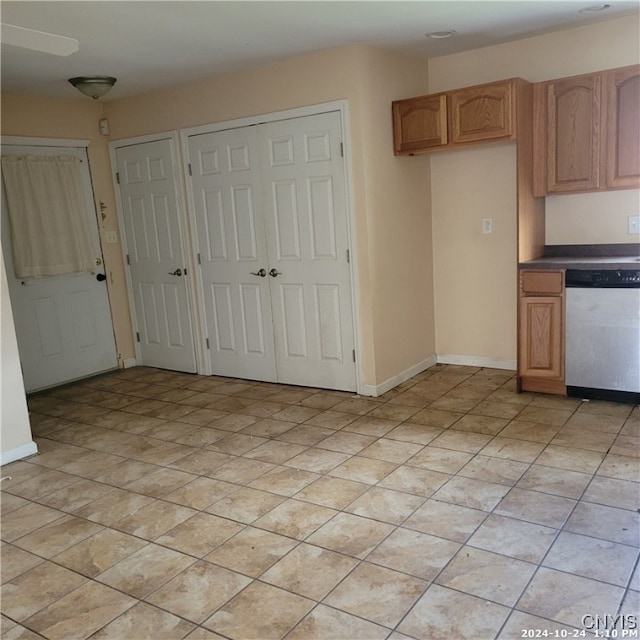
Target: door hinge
(353, 354)
(137, 337)
(118, 177)
(342, 149)
(207, 341)
(189, 167)
(348, 256)
(199, 261)
(128, 259)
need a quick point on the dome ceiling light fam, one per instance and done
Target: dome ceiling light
(93, 86)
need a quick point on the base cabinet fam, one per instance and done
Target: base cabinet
(541, 332)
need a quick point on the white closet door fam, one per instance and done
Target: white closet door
(307, 238)
(63, 323)
(271, 233)
(230, 241)
(158, 268)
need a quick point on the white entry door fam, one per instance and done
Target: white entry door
(271, 233)
(158, 269)
(63, 323)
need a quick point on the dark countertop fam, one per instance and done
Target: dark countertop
(611, 256)
(617, 262)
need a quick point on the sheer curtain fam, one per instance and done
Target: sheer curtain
(48, 215)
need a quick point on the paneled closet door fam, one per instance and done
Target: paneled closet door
(271, 233)
(231, 246)
(149, 199)
(307, 239)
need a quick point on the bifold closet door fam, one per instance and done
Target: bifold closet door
(272, 238)
(231, 245)
(307, 241)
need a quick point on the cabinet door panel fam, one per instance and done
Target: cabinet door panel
(574, 134)
(419, 123)
(623, 134)
(541, 336)
(482, 113)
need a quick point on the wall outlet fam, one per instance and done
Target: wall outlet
(487, 225)
(634, 224)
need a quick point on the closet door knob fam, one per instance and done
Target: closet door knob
(274, 273)
(261, 272)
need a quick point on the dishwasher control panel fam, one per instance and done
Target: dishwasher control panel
(603, 278)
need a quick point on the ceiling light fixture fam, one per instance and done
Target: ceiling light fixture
(440, 35)
(93, 86)
(596, 8)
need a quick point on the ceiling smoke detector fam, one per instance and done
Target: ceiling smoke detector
(441, 35)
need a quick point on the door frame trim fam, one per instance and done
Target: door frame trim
(342, 107)
(114, 145)
(26, 141)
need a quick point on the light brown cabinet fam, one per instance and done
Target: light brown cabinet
(482, 113)
(587, 132)
(419, 124)
(541, 331)
(622, 97)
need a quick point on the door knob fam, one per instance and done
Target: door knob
(261, 272)
(101, 277)
(274, 273)
(177, 272)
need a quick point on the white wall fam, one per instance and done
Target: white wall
(15, 432)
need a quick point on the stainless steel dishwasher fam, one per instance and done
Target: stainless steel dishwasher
(603, 334)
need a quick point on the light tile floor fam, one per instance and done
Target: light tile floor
(167, 505)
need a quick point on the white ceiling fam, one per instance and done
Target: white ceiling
(150, 44)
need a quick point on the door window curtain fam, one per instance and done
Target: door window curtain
(48, 215)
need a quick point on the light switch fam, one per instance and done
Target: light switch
(111, 237)
(634, 224)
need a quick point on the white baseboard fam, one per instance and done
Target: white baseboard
(29, 449)
(472, 361)
(129, 363)
(383, 387)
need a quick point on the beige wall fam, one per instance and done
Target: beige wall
(15, 431)
(463, 194)
(475, 276)
(390, 195)
(397, 197)
(77, 119)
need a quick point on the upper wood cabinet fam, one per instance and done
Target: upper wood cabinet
(484, 112)
(587, 132)
(573, 134)
(474, 114)
(622, 97)
(419, 123)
